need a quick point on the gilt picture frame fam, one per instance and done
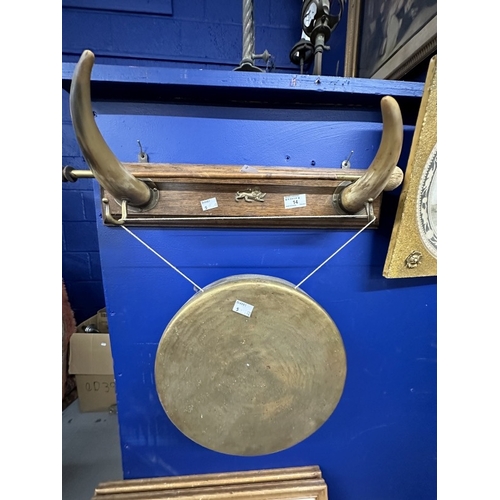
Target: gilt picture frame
(388, 38)
(413, 245)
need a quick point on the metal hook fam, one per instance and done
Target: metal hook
(142, 157)
(369, 210)
(346, 163)
(108, 218)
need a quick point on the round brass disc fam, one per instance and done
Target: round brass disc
(250, 385)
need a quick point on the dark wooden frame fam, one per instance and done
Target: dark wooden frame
(404, 57)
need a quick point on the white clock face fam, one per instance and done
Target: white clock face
(309, 17)
(427, 204)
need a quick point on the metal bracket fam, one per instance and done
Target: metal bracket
(336, 202)
(336, 196)
(370, 215)
(155, 197)
(109, 219)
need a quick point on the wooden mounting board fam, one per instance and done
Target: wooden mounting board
(182, 194)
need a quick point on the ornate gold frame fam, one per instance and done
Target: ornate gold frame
(408, 256)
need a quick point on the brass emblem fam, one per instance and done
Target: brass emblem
(413, 260)
(254, 194)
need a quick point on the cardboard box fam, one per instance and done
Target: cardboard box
(91, 362)
(98, 323)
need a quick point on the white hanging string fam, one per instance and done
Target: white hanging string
(334, 253)
(295, 287)
(163, 259)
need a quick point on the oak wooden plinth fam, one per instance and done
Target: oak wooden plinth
(183, 188)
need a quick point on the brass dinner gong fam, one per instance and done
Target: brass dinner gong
(250, 366)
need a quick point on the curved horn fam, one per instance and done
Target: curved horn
(374, 181)
(107, 169)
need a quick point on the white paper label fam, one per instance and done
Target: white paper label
(243, 308)
(295, 201)
(209, 204)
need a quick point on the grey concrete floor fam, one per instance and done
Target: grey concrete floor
(90, 451)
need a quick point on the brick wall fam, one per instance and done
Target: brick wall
(200, 33)
(81, 267)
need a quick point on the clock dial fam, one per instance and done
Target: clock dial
(426, 209)
(310, 14)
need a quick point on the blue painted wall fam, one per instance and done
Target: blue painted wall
(380, 443)
(201, 34)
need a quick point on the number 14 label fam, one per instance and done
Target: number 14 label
(295, 201)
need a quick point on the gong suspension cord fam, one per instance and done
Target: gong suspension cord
(334, 253)
(295, 287)
(162, 258)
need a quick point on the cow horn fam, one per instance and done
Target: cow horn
(354, 197)
(107, 169)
